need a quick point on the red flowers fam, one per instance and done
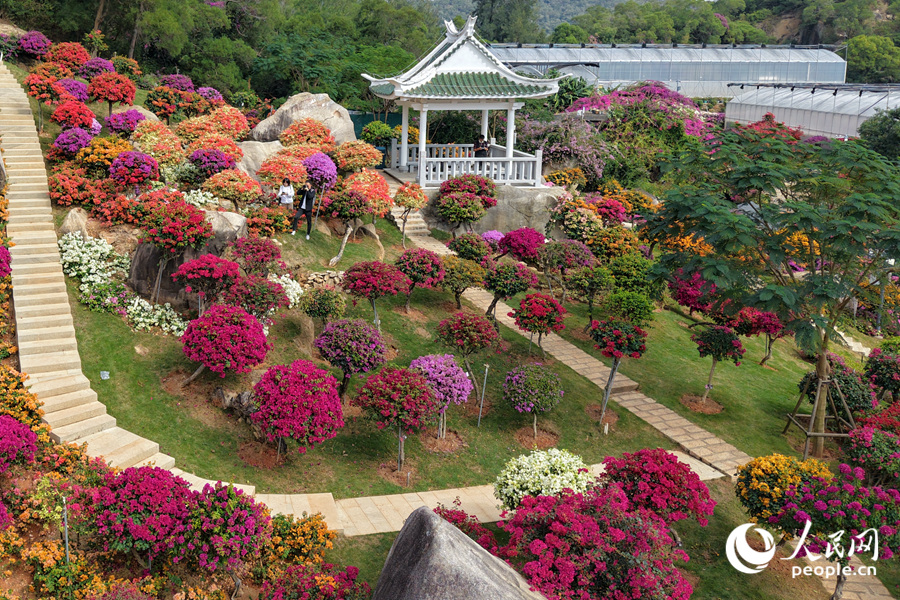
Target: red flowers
(372, 280)
(177, 226)
(538, 313)
(226, 338)
(73, 114)
(618, 339)
(112, 88)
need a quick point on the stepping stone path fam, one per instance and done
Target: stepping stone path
(48, 353)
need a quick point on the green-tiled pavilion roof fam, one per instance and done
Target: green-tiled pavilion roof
(469, 84)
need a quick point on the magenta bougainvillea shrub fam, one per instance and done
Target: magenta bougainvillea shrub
(492, 238)
(883, 371)
(257, 295)
(95, 66)
(353, 346)
(211, 95)
(176, 81)
(692, 291)
(321, 172)
(316, 581)
(228, 529)
(224, 339)
(256, 255)
(540, 314)
(133, 168)
(70, 141)
(70, 54)
(719, 342)
(346, 205)
(34, 44)
(5, 262)
(124, 123)
(656, 480)
(468, 524)
(144, 510)
(594, 545)
(618, 339)
(467, 333)
(399, 399)
(447, 380)
(373, 280)
(73, 114)
(877, 452)
(210, 161)
(423, 267)
(207, 276)
(523, 244)
(175, 227)
(483, 188)
(18, 443)
(470, 246)
(73, 89)
(298, 401)
(611, 211)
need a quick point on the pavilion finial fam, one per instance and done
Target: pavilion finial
(468, 29)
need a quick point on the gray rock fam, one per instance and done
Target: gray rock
(516, 207)
(149, 115)
(323, 228)
(302, 106)
(255, 153)
(227, 227)
(369, 230)
(76, 220)
(433, 560)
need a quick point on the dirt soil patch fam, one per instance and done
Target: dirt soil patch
(698, 405)
(199, 396)
(451, 443)
(414, 315)
(470, 408)
(802, 588)
(594, 410)
(258, 455)
(389, 472)
(545, 438)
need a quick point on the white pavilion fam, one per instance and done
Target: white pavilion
(461, 73)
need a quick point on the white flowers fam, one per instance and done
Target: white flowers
(90, 260)
(142, 316)
(200, 198)
(291, 288)
(541, 473)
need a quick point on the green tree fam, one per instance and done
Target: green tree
(840, 196)
(881, 133)
(509, 20)
(872, 59)
(566, 33)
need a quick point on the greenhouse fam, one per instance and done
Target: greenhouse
(829, 110)
(695, 71)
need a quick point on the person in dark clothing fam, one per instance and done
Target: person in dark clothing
(307, 201)
(481, 147)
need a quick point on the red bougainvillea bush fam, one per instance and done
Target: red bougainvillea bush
(229, 121)
(133, 168)
(256, 255)
(540, 314)
(877, 452)
(298, 401)
(225, 338)
(374, 188)
(618, 339)
(657, 481)
(423, 267)
(467, 333)
(594, 545)
(468, 524)
(309, 132)
(316, 581)
(71, 54)
(207, 276)
(112, 88)
(73, 114)
(372, 280)
(175, 227)
(70, 185)
(523, 244)
(277, 167)
(692, 291)
(258, 296)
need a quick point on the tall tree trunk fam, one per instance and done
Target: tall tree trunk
(839, 587)
(822, 373)
(137, 30)
(98, 18)
(402, 457)
(770, 342)
(471, 374)
(340, 253)
(535, 426)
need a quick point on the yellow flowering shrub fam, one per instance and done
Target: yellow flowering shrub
(302, 540)
(568, 177)
(610, 242)
(99, 154)
(692, 243)
(761, 483)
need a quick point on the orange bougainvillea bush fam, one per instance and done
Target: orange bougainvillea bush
(99, 154)
(157, 140)
(217, 141)
(353, 156)
(230, 122)
(375, 189)
(233, 185)
(191, 130)
(308, 132)
(279, 166)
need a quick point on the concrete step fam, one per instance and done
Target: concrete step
(25, 226)
(75, 414)
(38, 268)
(58, 385)
(160, 460)
(39, 299)
(62, 344)
(43, 311)
(67, 401)
(46, 362)
(31, 212)
(37, 279)
(44, 326)
(82, 429)
(30, 259)
(120, 448)
(40, 288)
(45, 236)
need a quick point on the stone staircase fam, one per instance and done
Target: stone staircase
(415, 224)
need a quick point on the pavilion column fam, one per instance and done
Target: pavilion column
(423, 152)
(404, 138)
(485, 115)
(510, 131)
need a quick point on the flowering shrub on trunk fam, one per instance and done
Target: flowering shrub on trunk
(400, 399)
(587, 283)
(346, 205)
(127, 66)
(316, 582)
(321, 172)
(693, 293)
(505, 281)
(882, 370)
(158, 141)
(540, 473)
(94, 67)
(467, 333)
(263, 221)
(423, 268)
(410, 196)
(176, 81)
(532, 389)
(133, 168)
(761, 483)
(211, 95)
(70, 141)
(144, 510)
(233, 185)
(352, 346)
(460, 275)
(163, 101)
(353, 156)
(257, 295)
(373, 280)
(373, 187)
(656, 480)
(211, 161)
(45, 90)
(540, 314)
(298, 401)
(175, 227)
(112, 88)
(523, 244)
(224, 339)
(720, 343)
(323, 303)
(594, 545)
(470, 246)
(460, 208)
(277, 167)
(73, 114)
(73, 89)
(18, 443)
(257, 256)
(124, 123)
(207, 276)
(449, 383)
(558, 258)
(307, 132)
(482, 187)
(618, 339)
(229, 121)
(34, 44)
(877, 452)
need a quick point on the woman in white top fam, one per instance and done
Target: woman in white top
(286, 194)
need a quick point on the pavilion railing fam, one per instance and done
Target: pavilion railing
(443, 161)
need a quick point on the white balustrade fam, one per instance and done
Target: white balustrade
(443, 161)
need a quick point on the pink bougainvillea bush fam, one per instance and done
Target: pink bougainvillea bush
(257, 295)
(540, 314)
(316, 581)
(467, 333)
(468, 524)
(481, 187)
(353, 346)
(141, 510)
(298, 401)
(618, 339)
(133, 169)
(399, 399)
(594, 545)
(175, 227)
(207, 276)
(448, 382)
(226, 339)
(18, 443)
(877, 452)
(692, 291)
(228, 529)
(656, 480)
(423, 267)
(471, 246)
(720, 343)
(373, 280)
(523, 244)
(257, 256)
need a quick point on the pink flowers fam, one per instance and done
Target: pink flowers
(133, 168)
(540, 314)
(18, 443)
(225, 338)
(523, 244)
(618, 339)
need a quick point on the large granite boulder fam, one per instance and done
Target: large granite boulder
(516, 207)
(302, 106)
(433, 560)
(255, 153)
(76, 221)
(147, 114)
(227, 227)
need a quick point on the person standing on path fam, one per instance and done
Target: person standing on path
(286, 194)
(307, 201)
